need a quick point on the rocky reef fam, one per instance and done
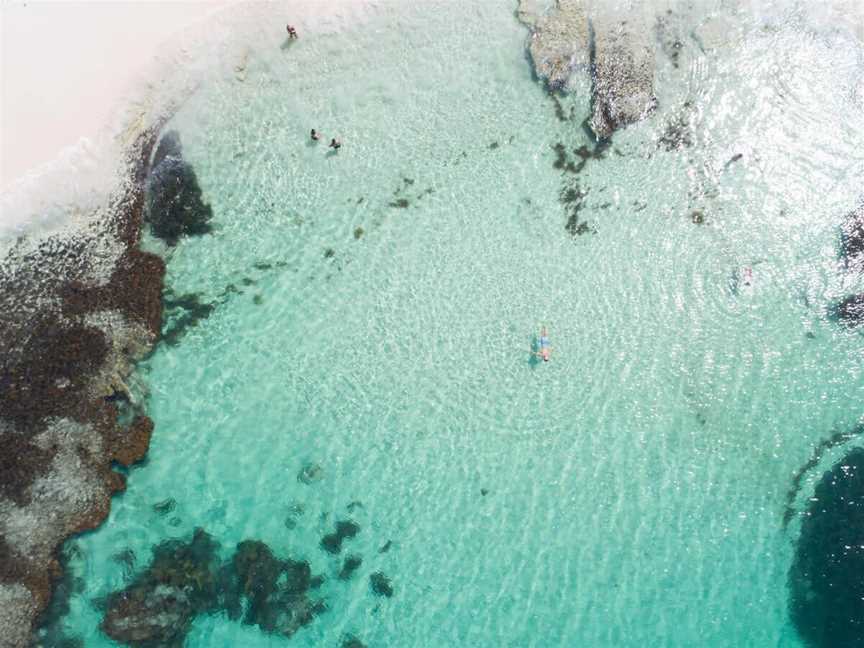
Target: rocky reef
(825, 584)
(80, 306)
(186, 579)
(575, 36)
(78, 309)
(622, 72)
(560, 43)
(175, 206)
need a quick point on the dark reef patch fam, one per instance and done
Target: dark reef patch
(351, 564)
(52, 631)
(560, 113)
(852, 239)
(186, 579)
(850, 311)
(573, 199)
(183, 312)
(310, 473)
(158, 607)
(175, 206)
(350, 641)
(345, 529)
(400, 203)
(677, 134)
(358, 232)
(381, 585)
(165, 506)
(836, 439)
(385, 547)
(825, 581)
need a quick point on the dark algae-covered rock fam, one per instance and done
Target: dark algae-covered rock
(332, 542)
(850, 311)
(381, 584)
(852, 238)
(159, 606)
(175, 206)
(351, 564)
(186, 579)
(825, 582)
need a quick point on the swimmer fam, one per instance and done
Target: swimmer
(335, 144)
(315, 135)
(545, 350)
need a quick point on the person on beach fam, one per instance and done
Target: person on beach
(335, 144)
(545, 351)
(315, 135)
(292, 33)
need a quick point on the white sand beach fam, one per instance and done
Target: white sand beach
(65, 65)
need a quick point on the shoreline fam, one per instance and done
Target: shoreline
(53, 105)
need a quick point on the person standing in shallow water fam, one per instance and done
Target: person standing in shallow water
(315, 136)
(335, 144)
(292, 33)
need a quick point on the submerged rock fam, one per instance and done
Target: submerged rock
(850, 311)
(559, 40)
(310, 473)
(623, 72)
(159, 606)
(352, 563)
(175, 206)
(853, 239)
(825, 583)
(381, 584)
(332, 542)
(186, 579)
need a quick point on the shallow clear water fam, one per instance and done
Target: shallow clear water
(635, 485)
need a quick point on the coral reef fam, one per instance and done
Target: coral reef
(186, 579)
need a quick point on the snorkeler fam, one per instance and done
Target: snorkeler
(545, 350)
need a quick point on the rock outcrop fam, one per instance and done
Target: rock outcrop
(560, 43)
(623, 72)
(616, 46)
(78, 309)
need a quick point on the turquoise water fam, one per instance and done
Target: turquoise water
(635, 485)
